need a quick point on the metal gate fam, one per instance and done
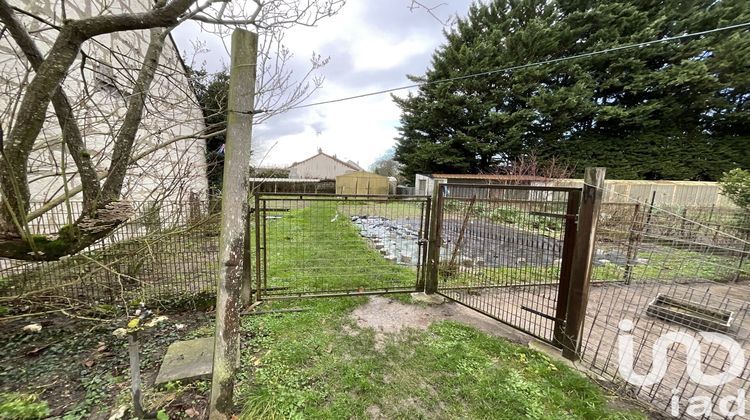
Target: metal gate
(506, 251)
(309, 245)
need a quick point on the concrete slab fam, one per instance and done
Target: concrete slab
(187, 360)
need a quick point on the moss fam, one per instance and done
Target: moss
(70, 233)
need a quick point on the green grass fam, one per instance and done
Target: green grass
(312, 250)
(664, 265)
(320, 364)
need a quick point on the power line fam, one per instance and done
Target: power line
(524, 66)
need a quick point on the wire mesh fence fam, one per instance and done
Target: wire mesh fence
(504, 251)
(320, 245)
(664, 281)
(165, 249)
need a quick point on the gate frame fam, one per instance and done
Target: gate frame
(260, 208)
(581, 216)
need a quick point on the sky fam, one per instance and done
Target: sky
(372, 45)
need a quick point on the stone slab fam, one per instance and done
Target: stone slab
(187, 360)
(433, 299)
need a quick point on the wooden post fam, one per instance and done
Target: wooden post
(583, 253)
(233, 214)
(135, 374)
(634, 240)
(434, 241)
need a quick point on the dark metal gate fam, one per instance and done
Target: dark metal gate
(506, 251)
(309, 245)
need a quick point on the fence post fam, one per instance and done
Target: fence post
(231, 239)
(634, 241)
(583, 253)
(571, 224)
(433, 241)
(247, 255)
(424, 231)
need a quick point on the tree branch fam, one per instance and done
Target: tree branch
(126, 137)
(71, 134)
(51, 73)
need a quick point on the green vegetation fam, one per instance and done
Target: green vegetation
(673, 110)
(664, 264)
(15, 406)
(735, 184)
(515, 217)
(320, 363)
(314, 250)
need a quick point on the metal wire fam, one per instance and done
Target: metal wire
(324, 244)
(668, 270)
(502, 252)
(165, 249)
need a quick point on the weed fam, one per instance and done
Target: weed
(15, 406)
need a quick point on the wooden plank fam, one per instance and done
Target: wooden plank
(583, 253)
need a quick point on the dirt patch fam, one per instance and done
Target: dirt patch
(389, 316)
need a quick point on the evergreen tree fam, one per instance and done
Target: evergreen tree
(212, 92)
(675, 110)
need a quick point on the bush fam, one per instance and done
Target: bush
(735, 184)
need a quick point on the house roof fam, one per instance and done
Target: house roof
(353, 166)
(491, 177)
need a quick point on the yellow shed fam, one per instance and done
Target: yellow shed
(362, 183)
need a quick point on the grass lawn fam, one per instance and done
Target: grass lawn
(318, 249)
(320, 364)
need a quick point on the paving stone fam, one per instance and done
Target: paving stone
(187, 360)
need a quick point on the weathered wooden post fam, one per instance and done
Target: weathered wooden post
(634, 241)
(135, 374)
(583, 253)
(434, 241)
(233, 213)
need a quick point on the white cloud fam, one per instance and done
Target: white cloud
(372, 45)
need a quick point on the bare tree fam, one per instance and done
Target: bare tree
(532, 166)
(96, 63)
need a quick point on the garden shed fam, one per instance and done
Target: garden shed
(362, 182)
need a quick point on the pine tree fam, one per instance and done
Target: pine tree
(676, 110)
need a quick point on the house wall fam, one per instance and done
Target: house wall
(99, 86)
(320, 167)
(424, 184)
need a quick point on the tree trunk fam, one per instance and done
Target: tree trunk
(233, 211)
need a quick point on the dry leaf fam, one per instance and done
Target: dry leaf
(191, 412)
(89, 363)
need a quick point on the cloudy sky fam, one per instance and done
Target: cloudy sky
(372, 45)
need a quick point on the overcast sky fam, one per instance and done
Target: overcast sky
(372, 45)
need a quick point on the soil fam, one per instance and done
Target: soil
(77, 364)
(389, 316)
(500, 245)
